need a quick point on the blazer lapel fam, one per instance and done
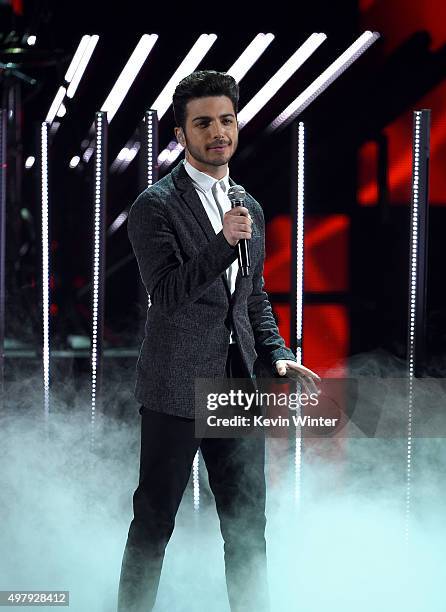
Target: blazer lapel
(190, 197)
(192, 200)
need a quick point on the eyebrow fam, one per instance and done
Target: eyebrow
(204, 117)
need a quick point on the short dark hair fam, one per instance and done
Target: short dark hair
(202, 84)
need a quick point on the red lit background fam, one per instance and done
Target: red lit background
(398, 20)
(327, 325)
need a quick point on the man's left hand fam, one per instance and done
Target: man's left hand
(287, 367)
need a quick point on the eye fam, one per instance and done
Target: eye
(227, 121)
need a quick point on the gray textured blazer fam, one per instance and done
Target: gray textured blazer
(182, 264)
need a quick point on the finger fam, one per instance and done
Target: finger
(312, 386)
(241, 227)
(308, 389)
(304, 371)
(310, 373)
(281, 368)
(241, 221)
(239, 211)
(295, 371)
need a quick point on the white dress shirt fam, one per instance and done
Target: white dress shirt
(204, 186)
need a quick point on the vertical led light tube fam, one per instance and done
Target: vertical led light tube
(417, 275)
(300, 239)
(100, 182)
(148, 163)
(298, 167)
(44, 195)
(196, 481)
(3, 162)
(149, 141)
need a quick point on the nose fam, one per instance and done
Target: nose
(218, 132)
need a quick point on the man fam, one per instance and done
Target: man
(205, 321)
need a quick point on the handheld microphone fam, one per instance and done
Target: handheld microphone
(237, 195)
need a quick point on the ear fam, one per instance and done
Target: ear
(179, 135)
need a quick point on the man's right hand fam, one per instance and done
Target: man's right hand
(237, 225)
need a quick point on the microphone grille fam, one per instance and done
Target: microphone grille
(236, 193)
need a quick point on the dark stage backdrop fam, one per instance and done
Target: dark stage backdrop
(358, 162)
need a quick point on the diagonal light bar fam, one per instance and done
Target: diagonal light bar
(264, 95)
(128, 75)
(188, 65)
(83, 44)
(238, 70)
(83, 49)
(55, 105)
(250, 55)
(82, 65)
(320, 84)
(164, 100)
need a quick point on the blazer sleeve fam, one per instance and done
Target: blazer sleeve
(171, 281)
(269, 344)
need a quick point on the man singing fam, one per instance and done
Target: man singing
(205, 321)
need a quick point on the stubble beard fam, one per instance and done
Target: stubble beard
(195, 153)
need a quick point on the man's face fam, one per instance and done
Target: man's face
(211, 132)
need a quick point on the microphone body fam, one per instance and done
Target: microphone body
(236, 195)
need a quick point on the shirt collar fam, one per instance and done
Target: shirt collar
(203, 181)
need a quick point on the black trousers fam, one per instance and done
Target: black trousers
(236, 470)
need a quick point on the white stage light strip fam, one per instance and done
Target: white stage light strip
(82, 65)
(250, 55)
(72, 76)
(74, 162)
(62, 110)
(300, 239)
(120, 219)
(151, 138)
(164, 100)
(299, 295)
(98, 264)
(417, 275)
(3, 180)
(82, 46)
(320, 84)
(238, 70)
(188, 65)
(196, 481)
(170, 154)
(128, 75)
(45, 265)
(284, 73)
(412, 308)
(414, 244)
(55, 105)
